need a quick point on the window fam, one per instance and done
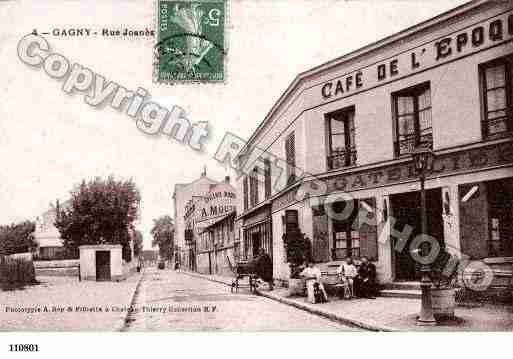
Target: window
(291, 220)
(290, 154)
(497, 92)
(346, 241)
(413, 119)
(245, 190)
(341, 139)
(267, 177)
(253, 187)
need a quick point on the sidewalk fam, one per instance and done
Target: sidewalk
(389, 314)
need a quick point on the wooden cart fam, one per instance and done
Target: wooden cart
(241, 270)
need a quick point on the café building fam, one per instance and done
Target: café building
(340, 140)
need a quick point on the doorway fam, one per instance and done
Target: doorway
(406, 211)
(103, 266)
(500, 218)
(256, 243)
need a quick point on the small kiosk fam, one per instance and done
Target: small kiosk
(101, 262)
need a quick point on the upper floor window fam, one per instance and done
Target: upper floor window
(497, 97)
(290, 156)
(245, 193)
(341, 139)
(413, 119)
(267, 178)
(253, 187)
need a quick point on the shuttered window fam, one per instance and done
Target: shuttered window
(267, 180)
(291, 220)
(354, 236)
(320, 240)
(290, 154)
(368, 232)
(245, 190)
(253, 187)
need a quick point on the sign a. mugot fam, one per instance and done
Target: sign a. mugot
(216, 204)
(494, 31)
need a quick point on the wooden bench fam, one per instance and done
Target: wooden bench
(330, 277)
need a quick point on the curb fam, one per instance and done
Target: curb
(307, 308)
(200, 276)
(121, 324)
(327, 314)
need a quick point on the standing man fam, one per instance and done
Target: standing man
(366, 279)
(264, 267)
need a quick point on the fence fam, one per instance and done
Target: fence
(16, 272)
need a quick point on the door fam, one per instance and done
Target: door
(256, 243)
(406, 211)
(103, 266)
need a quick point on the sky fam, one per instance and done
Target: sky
(51, 140)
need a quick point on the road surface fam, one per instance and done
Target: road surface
(172, 301)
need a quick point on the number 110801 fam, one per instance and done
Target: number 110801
(23, 348)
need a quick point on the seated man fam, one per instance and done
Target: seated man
(366, 280)
(312, 276)
(348, 271)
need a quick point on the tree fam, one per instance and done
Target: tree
(138, 243)
(102, 211)
(298, 249)
(163, 233)
(17, 238)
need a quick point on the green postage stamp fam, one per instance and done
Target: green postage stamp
(190, 41)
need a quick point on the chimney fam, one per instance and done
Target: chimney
(227, 179)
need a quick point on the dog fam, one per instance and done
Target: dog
(318, 294)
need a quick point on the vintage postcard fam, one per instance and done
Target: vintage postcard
(243, 165)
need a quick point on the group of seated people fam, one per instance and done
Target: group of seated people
(356, 282)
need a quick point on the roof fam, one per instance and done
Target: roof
(49, 241)
(181, 185)
(301, 77)
(232, 213)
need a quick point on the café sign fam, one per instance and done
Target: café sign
(492, 32)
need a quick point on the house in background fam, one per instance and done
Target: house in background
(186, 197)
(214, 222)
(47, 236)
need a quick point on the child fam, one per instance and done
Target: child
(348, 270)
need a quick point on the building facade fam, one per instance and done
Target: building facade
(198, 205)
(334, 154)
(182, 196)
(218, 248)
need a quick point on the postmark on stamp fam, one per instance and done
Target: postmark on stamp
(190, 41)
